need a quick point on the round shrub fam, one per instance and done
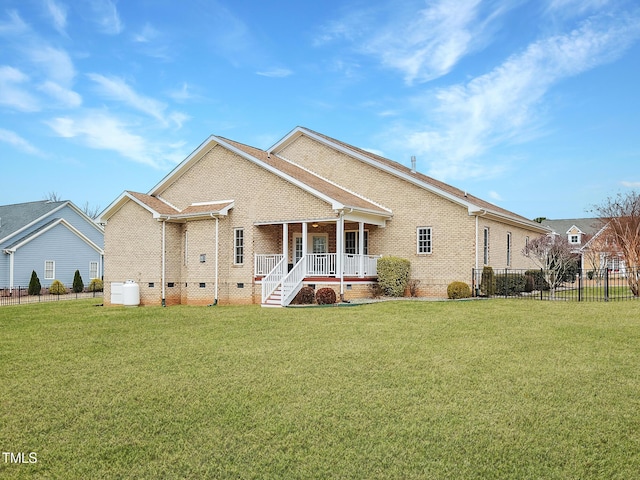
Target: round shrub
(306, 296)
(457, 290)
(96, 285)
(326, 296)
(57, 288)
(393, 275)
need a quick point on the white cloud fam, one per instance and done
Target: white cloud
(15, 26)
(104, 132)
(16, 141)
(65, 97)
(422, 42)
(495, 195)
(107, 16)
(58, 13)
(54, 62)
(146, 35)
(14, 90)
(628, 184)
(276, 73)
(502, 105)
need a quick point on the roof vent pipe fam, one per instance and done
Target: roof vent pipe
(413, 164)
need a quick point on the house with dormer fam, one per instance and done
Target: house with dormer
(237, 224)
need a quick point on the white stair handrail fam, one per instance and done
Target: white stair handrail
(292, 282)
(271, 281)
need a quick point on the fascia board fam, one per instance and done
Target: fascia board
(510, 220)
(119, 202)
(64, 223)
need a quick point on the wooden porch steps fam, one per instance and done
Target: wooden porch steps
(275, 299)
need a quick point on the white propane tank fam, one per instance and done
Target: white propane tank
(130, 294)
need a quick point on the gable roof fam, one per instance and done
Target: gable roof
(587, 226)
(18, 217)
(45, 228)
(163, 210)
(336, 195)
(474, 204)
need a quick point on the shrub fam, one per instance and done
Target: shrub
(57, 288)
(34, 284)
(535, 280)
(509, 284)
(306, 296)
(375, 290)
(413, 287)
(487, 282)
(96, 285)
(326, 296)
(78, 284)
(393, 275)
(458, 290)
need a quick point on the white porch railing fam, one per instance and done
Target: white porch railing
(265, 263)
(292, 282)
(324, 264)
(360, 265)
(274, 278)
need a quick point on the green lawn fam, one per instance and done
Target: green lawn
(428, 390)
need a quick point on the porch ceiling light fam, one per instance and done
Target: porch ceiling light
(314, 225)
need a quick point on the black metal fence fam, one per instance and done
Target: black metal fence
(20, 295)
(601, 285)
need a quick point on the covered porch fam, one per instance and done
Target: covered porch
(290, 253)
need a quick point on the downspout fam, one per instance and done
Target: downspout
(215, 300)
(484, 212)
(11, 254)
(164, 261)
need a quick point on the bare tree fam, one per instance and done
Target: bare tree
(91, 211)
(53, 197)
(553, 254)
(621, 216)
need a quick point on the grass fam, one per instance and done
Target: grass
(486, 389)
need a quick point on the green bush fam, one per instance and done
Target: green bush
(57, 288)
(326, 296)
(96, 285)
(393, 275)
(306, 296)
(78, 284)
(458, 290)
(487, 282)
(535, 281)
(34, 284)
(509, 284)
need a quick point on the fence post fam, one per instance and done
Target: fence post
(580, 285)
(606, 284)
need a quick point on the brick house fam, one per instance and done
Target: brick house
(235, 224)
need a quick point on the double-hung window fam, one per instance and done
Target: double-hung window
(352, 242)
(49, 270)
(238, 246)
(424, 240)
(485, 245)
(93, 270)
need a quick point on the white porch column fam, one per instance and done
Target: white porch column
(285, 243)
(361, 249)
(340, 252)
(305, 237)
(11, 254)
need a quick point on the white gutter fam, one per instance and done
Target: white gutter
(164, 261)
(215, 301)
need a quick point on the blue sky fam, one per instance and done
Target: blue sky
(532, 105)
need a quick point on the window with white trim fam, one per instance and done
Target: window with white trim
(508, 249)
(238, 246)
(49, 270)
(93, 270)
(352, 242)
(424, 240)
(574, 239)
(485, 245)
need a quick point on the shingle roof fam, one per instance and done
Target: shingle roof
(164, 209)
(17, 216)
(328, 188)
(589, 226)
(155, 203)
(451, 190)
